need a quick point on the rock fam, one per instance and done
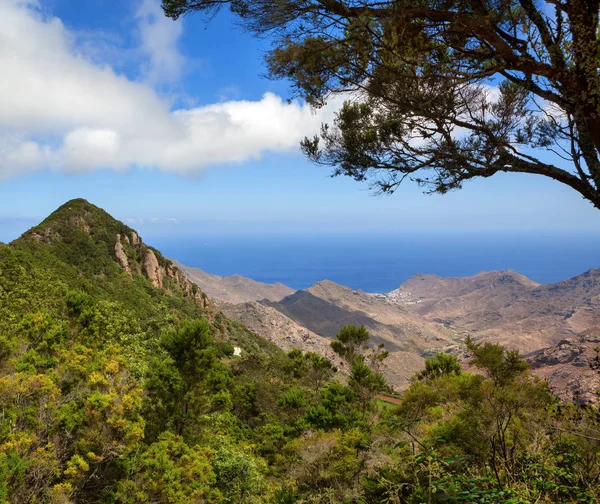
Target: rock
(121, 255)
(152, 269)
(563, 353)
(567, 367)
(80, 222)
(592, 335)
(135, 239)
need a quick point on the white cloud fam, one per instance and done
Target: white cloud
(153, 220)
(17, 157)
(170, 220)
(159, 36)
(60, 110)
(89, 148)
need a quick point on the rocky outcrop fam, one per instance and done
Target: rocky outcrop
(168, 276)
(152, 269)
(80, 222)
(121, 255)
(135, 239)
(567, 367)
(566, 352)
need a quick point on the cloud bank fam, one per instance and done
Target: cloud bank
(60, 110)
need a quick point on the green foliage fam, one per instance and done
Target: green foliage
(294, 398)
(350, 342)
(170, 471)
(310, 368)
(337, 408)
(188, 382)
(365, 379)
(239, 475)
(441, 364)
(500, 364)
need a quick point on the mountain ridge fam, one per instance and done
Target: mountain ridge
(84, 249)
(88, 237)
(234, 288)
(429, 313)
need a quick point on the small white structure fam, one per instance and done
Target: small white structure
(237, 351)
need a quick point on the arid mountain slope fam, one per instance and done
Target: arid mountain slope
(433, 287)
(567, 368)
(236, 288)
(505, 307)
(276, 327)
(287, 334)
(428, 313)
(326, 307)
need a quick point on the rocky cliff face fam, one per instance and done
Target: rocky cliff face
(161, 272)
(152, 269)
(121, 255)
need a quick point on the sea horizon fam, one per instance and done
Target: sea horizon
(378, 262)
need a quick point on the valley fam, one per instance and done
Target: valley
(427, 314)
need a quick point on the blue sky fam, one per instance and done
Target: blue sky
(171, 127)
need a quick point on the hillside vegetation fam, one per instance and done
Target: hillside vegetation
(119, 384)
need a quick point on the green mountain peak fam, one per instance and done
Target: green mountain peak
(95, 245)
(81, 248)
(77, 215)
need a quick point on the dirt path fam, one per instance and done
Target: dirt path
(389, 399)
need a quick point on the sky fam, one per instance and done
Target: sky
(173, 128)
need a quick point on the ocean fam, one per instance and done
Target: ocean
(379, 263)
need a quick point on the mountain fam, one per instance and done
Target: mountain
(429, 288)
(81, 248)
(89, 239)
(326, 307)
(235, 288)
(428, 313)
(505, 307)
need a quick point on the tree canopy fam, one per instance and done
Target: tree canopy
(440, 91)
